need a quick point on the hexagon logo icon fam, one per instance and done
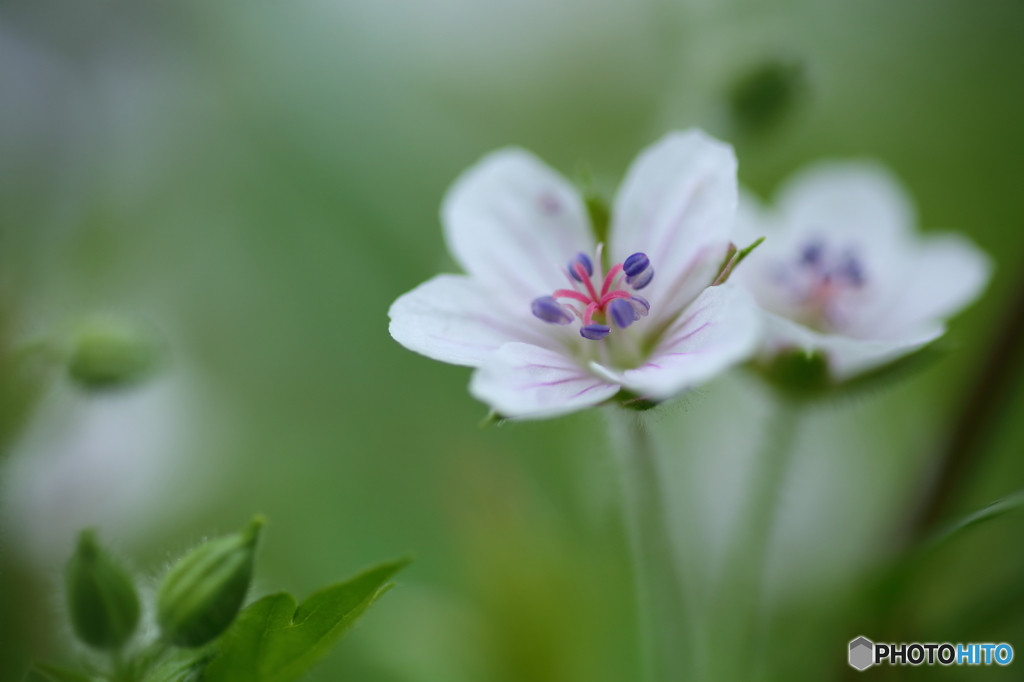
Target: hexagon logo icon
(862, 653)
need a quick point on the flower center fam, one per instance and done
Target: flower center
(819, 277)
(597, 310)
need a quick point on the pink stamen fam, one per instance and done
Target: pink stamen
(574, 295)
(609, 278)
(591, 303)
(578, 267)
(608, 298)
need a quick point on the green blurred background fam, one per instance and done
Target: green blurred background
(259, 181)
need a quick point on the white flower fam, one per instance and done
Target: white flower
(548, 332)
(843, 272)
(126, 461)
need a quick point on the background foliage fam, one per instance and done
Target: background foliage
(258, 182)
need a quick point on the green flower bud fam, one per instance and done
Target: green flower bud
(109, 353)
(764, 96)
(102, 601)
(201, 595)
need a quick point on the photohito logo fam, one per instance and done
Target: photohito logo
(864, 653)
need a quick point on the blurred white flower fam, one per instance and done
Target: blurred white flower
(546, 330)
(121, 460)
(843, 271)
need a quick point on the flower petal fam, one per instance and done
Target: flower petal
(855, 203)
(946, 273)
(718, 330)
(851, 197)
(528, 382)
(847, 356)
(677, 205)
(452, 319)
(513, 223)
(758, 272)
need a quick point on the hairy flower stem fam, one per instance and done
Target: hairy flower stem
(666, 636)
(740, 617)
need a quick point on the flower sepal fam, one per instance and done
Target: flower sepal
(599, 214)
(734, 257)
(632, 401)
(492, 418)
(598, 210)
(798, 374)
(805, 375)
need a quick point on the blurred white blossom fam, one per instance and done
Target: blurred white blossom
(844, 272)
(123, 461)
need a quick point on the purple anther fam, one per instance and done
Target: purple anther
(635, 264)
(551, 311)
(812, 254)
(853, 272)
(640, 306)
(622, 313)
(583, 260)
(641, 280)
(595, 332)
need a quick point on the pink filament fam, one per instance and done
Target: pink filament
(594, 303)
(569, 293)
(609, 278)
(586, 280)
(608, 298)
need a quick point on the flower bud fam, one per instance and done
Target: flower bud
(765, 95)
(201, 595)
(102, 601)
(110, 353)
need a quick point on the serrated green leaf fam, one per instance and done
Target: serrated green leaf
(275, 641)
(43, 672)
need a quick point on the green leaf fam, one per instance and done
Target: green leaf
(998, 508)
(43, 672)
(273, 641)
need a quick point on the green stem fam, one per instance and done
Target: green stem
(985, 410)
(665, 635)
(741, 615)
